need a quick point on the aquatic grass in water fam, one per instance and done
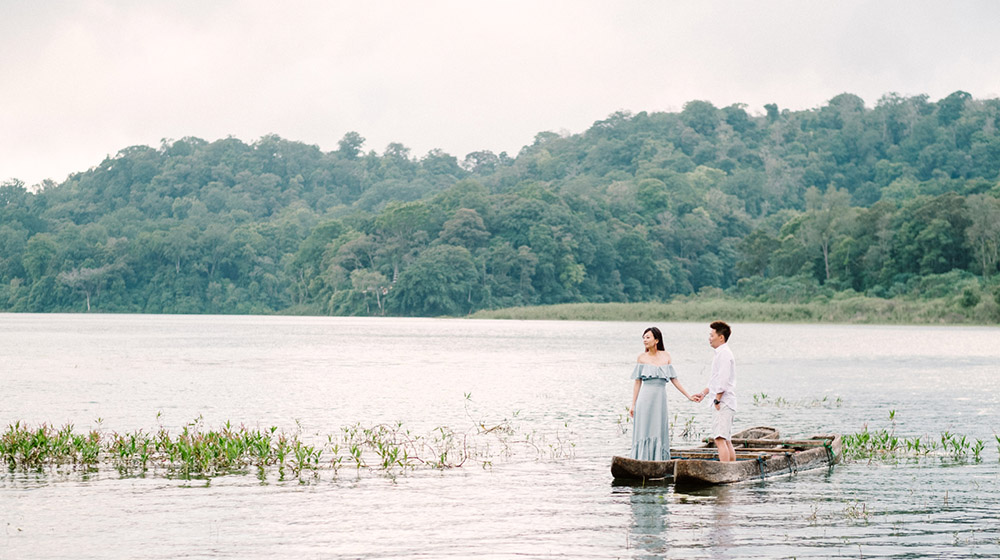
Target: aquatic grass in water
(623, 421)
(199, 452)
(32, 448)
(858, 511)
(763, 399)
(884, 444)
(688, 432)
(977, 450)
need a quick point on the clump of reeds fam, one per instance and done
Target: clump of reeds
(194, 451)
(884, 444)
(30, 448)
(199, 452)
(763, 399)
(842, 308)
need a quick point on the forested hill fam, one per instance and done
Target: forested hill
(898, 198)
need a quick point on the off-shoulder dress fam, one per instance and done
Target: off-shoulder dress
(650, 428)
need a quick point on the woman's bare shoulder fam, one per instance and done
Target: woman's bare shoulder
(645, 358)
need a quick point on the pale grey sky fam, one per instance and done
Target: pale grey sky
(82, 79)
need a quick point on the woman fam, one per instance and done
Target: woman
(650, 431)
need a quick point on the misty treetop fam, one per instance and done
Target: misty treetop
(893, 199)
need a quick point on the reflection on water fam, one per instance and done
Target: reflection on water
(650, 520)
(651, 533)
(718, 534)
(562, 383)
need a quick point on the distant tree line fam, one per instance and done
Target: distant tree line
(900, 198)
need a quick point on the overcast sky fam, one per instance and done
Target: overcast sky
(82, 79)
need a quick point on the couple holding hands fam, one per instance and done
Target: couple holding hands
(650, 431)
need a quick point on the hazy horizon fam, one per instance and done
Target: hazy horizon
(87, 79)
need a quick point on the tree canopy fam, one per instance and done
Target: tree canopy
(639, 207)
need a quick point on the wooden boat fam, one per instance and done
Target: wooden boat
(626, 468)
(771, 458)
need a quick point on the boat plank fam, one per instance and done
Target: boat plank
(784, 442)
(700, 472)
(628, 468)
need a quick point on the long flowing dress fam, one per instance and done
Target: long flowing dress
(650, 429)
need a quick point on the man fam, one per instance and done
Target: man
(723, 384)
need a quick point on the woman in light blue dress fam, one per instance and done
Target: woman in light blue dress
(650, 429)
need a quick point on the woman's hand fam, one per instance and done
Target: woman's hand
(631, 412)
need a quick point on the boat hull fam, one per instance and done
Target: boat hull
(626, 468)
(819, 451)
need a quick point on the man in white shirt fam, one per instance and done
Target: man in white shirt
(723, 384)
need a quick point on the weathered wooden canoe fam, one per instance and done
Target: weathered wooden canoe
(792, 456)
(626, 468)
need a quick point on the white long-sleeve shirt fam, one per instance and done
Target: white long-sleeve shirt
(723, 378)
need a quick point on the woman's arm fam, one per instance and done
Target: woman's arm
(635, 395)
(680, 388)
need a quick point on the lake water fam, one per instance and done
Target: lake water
(563, 385)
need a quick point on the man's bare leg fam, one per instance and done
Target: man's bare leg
(726, 451)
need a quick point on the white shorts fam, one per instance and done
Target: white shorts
(722, 422)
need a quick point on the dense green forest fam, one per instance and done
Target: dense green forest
(899, 199)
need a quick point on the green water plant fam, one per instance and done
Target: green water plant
(958, 446)
(624, 419)
(688, 431)
(884, 444)
(977, 450)
(32, 448)
(763, 399)
(858, 511)
(196, 451)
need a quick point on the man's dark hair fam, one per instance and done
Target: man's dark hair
(722, 329)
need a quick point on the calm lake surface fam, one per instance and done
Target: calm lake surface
(563, 385)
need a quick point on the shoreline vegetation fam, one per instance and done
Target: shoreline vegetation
(841, 308)
(808, 209)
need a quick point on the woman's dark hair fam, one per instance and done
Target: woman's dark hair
(722, 328)
(657, 336)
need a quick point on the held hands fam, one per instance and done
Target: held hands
(698, 397)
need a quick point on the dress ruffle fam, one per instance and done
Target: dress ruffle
(651, 449)
(650, 371)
